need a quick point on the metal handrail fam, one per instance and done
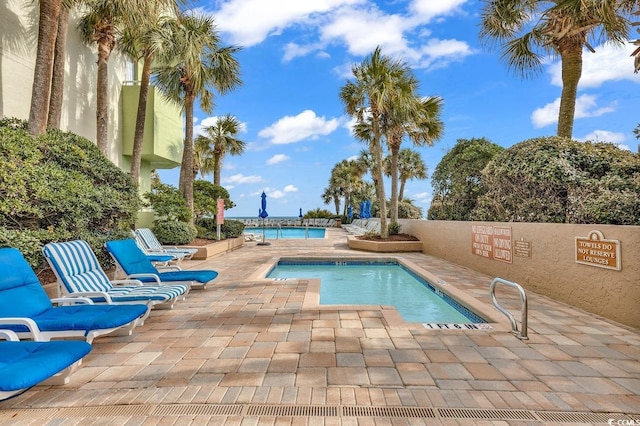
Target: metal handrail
(520, 334)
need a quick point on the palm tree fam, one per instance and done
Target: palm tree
(202, 157)
(332, 193)
(417, 118)
(346, 178)
(369, 98)
(222, 140)
(194, 65)
(529, 30)
(45, 53)
(141, 43)
(410, 166)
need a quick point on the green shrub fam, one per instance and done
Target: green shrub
(394, 228)
(57, 187)
(174, 232)
(167, 203)
(563, 181)
(232, 228)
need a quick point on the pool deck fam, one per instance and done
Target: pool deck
(249, 351)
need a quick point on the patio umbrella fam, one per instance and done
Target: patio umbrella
(263, 211)
(367, 209)
(263, 214)
(362, 213)
(300, 215)
(350, 212)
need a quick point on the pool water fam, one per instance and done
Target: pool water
(378, 283)
(273, 233)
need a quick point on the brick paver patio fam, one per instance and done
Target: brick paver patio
(254, 351)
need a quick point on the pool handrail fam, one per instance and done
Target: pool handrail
(520, 334)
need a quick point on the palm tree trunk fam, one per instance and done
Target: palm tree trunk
(217, 166)
(186, 168)
(41, 89)
(138, 137)
(571, 58)
(102, 97)
(57, 77)
(393, 205)
(376, 149)
(401, 192)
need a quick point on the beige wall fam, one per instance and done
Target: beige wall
(551, 270)
(18, 39)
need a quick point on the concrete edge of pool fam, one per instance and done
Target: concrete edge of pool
(493, 318)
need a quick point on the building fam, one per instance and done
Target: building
(162, 147)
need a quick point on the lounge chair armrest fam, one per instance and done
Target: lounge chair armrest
(154, 276)
(70, 299)
(9, 335)
(170, 247)
(87, 295)
(34, 330)
(169, 268)
(127, 282)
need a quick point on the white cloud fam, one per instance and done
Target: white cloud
(290, 188)
(615, 138)
(421, 197)
(276, 193)
(211, 121)
(347, 22)
(249, 22)
(239, 178)
(292, 129)
(608, 63)
(586, 106)
(429, 9)
(278, 158)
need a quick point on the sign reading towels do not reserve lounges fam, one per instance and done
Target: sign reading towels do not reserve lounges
(594, 250)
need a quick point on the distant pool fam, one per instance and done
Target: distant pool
(378, 283)
(286, 232)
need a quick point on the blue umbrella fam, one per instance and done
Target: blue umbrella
(263, 212)
(367, 209)
(362, 212)
(350, 212)
(300, 215)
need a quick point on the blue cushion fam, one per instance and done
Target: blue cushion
(25, 364)
(21, 295)
(133, 261)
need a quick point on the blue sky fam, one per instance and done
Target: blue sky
(298, 54)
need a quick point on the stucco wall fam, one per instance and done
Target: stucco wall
(18, 41)
(552, 269)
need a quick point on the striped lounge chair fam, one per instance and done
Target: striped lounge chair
(79, 274)
(153, 246)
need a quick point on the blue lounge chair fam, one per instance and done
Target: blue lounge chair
(26, 364)
(26, 309)
(79, 274)
(134, 264)
(148, 240)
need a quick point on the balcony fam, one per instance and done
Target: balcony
(163, 134)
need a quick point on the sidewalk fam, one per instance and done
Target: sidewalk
(252, 351)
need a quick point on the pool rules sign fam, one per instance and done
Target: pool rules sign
(492, 242)
(594, 250)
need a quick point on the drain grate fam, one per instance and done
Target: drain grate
(197, 410)
(258, 410)
(292, 410)
(478, 413)
(29, 413)
(403, 412)
(105, 411)
(576, 417)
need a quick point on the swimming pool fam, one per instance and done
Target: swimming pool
(286, 232)
(378, 283)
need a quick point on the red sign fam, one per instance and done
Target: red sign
(492, 242)
(220, 216)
